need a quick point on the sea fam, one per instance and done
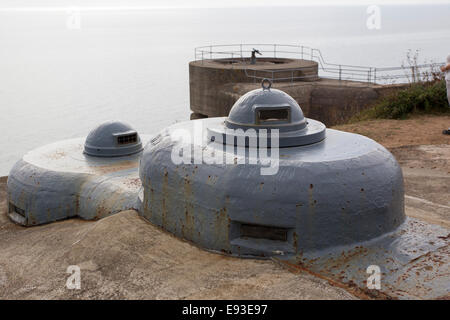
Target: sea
(65, 70)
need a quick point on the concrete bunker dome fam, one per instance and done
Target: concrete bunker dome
(90, 177)
(332, 188)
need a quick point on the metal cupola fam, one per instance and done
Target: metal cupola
(269, 109)
(112, 139)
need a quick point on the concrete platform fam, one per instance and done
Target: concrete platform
(123, 256)
(329, 101)
(262, 63)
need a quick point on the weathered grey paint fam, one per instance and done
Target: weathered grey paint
(58, 181)
(328, 188)
(413, 262)
(342, 190)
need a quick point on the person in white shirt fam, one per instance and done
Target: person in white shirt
(446, 70)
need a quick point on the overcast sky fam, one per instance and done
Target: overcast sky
(201, 3)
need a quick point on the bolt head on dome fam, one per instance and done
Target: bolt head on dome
(112, 139)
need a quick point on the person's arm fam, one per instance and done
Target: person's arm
(445, 68)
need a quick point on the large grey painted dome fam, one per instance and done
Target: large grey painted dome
(112, 139)
(323, 189)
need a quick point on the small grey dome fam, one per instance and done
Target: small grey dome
(112, 139)
(271, 111)
(266, 108)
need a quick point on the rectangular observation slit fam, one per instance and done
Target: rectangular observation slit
(263, 232)
(13, 208)
(272, 115)
(127, 138)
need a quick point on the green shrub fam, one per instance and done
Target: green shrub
(428, 97)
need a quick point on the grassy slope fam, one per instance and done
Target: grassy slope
(420, 98)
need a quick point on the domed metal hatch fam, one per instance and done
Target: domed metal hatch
(112, 139)
(266, 110)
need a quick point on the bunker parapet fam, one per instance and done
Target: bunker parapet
(216, 83)
(207, 78)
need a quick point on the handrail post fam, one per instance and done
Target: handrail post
(375, 75)
(302, 52)
(340, 72)
(274, 50)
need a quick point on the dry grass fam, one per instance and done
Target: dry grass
(418, 130)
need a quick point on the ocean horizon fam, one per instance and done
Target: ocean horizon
(60, 78)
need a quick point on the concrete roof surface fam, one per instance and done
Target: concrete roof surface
(125, 257)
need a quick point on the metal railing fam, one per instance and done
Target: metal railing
(242, 52)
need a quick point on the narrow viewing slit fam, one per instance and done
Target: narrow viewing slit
(127, 139)
(269, 115)
(13, 208)
(263, 232)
